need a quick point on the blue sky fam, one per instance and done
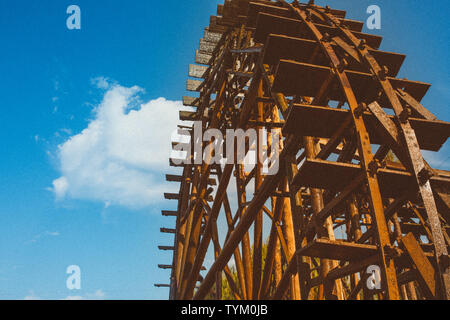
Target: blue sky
(53, 83)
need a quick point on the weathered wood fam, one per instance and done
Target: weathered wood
(197, 71)
(193, 85)
(425, 270)
(308, 59)
(202, 58)
(295, 78)
(168, 213)
(167, 230)
(172, 196)
(302, 118)
(188, 116)
(190, 101)
(206, 47)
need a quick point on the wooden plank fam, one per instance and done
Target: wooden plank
(167, 213)
(254, 9)
(173, 178)
(172, 196)
(213, 37)
(257, 8)
(168, 230)
(415, 105)
(442, 196)
(166, 248)
(322, 122)
(188, 116)
(197, 71)
(206, 47)
(190, 102)
(193, 85)
(414, 228)
(338, 250)
(202, 58)
(274, 24)
(301, 50)
(165, 266)
(425, 270)
(220, 9)
(352, 25)
(303, 79)
(336, 176)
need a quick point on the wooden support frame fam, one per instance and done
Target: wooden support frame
(242, 68)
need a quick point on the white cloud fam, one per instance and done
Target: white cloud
(97, 295)
(42, 235)
(121, 156)
(60, 187)
(73, 298)
(31, 296)
(101, 82)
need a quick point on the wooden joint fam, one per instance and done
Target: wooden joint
(405, 114)
(425, 175)
(359, 111)
(362, 44)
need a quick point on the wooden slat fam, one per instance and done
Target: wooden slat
(166, 248)
(301, 50)
(190, 101)
(167, 213)
(257, 8)
(338, 250)
(173, 178)
(273, 24)
(193, 85)
(303, 79)
(188, 116)
(202, 58)
(442, 196)
(172, 196)
(303, 120)
(197, 71)
(336, 176)
(213, 37)
(206, 47)
(168, 230)
(425, 270)
(415, 228)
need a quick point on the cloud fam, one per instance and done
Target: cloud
(42, 235)
(31, 296)
(60, 187)
(73, 298)
(97, 295)
(120, 157)
(101, 82)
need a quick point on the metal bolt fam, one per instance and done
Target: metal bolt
(405, 114)
(360, 110)
(362, 44)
